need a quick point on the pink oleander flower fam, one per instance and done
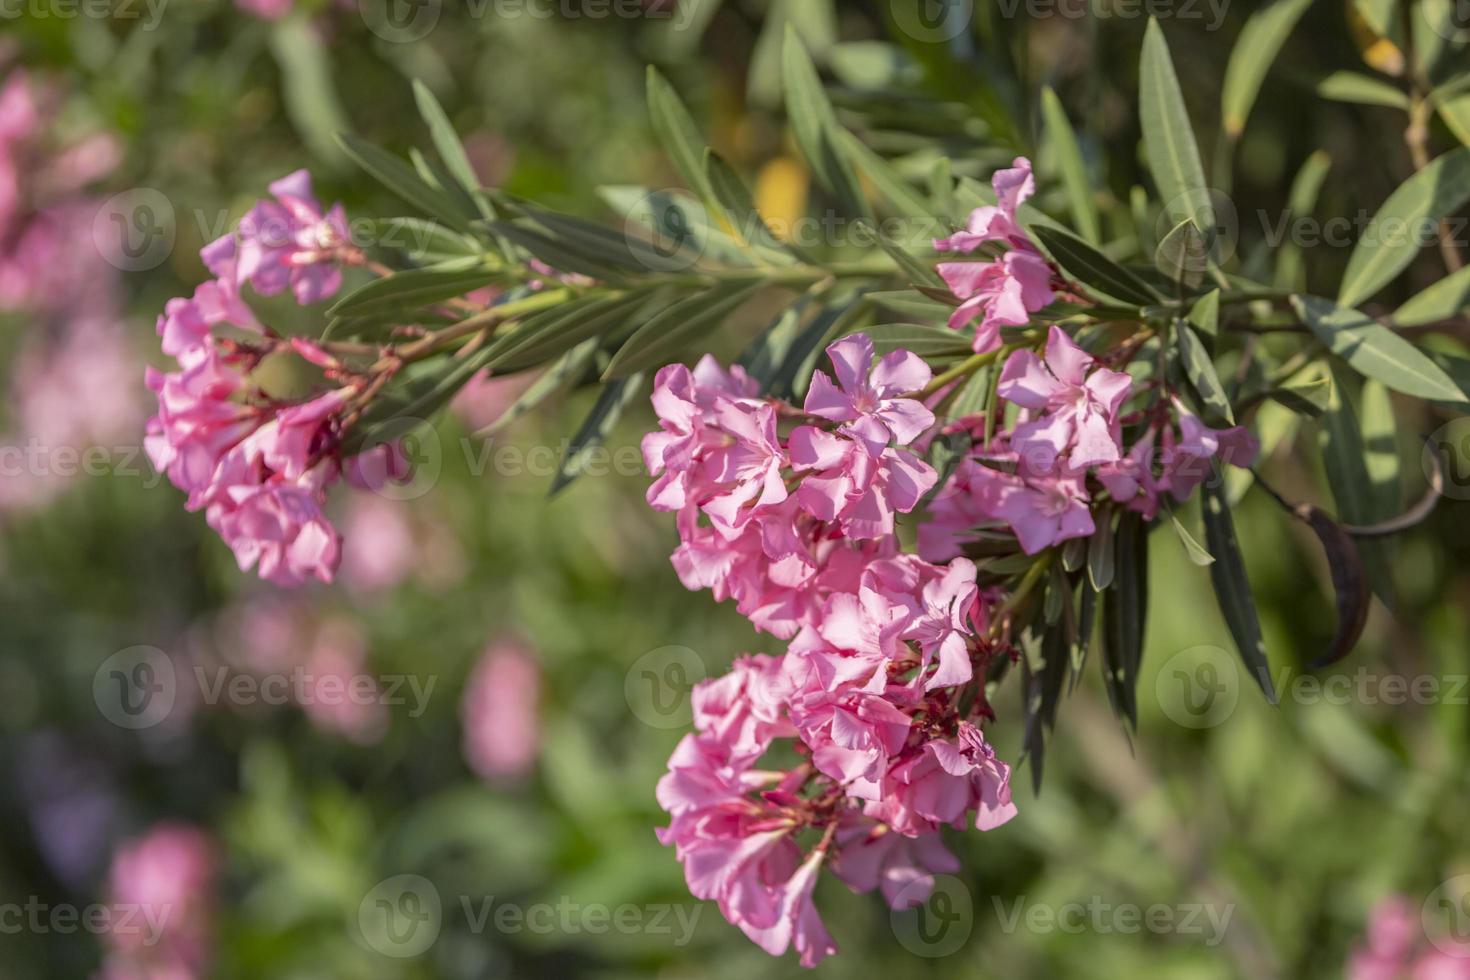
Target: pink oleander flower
(869, 399)
(1008, 289)
(1074, 403)
(289, 241)
(339, 696)
(847, 485)
(499, 714)
(944, 782)
(873, 855)
(1396, 947)
(169, 875)
(687, 403)
(278, 527)
(1162, 463)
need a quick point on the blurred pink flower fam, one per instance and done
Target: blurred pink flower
(168, 875)
(499, 712)
(339, 696)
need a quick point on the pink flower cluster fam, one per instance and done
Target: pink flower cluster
(166, 878)
(1032, 479)
(791, 514)
(499, 712)
(779, 517)
(259, 468)
(1394, 948)
(1006, 290)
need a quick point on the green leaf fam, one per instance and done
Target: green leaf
(307, 84)
(680, 137)
(1232, 587)
(678, 225)
(922, 339)
(1078, 185)
(1345, 459)
(1259, 43)
(903, 198)
(815, 126)
(1375, 351)
(401, 179)
(1350, 86)
(557, 253)
(594, 430)
(1168, 140)
(1094, 269)
(1205, 313)
(912, 304)
(1301, 202)
(1201, 371)
(571, 366)
(1444, 299)
(1309, 398)
(740, 211)
(540, 338)
(1182, 255)
(412, 289)
(450, 149)
(1125, 617)
(662, 337)
(1404, 224)
(917, 272)
(402, 407)
(420, 239)
(1101, 565)
(1192, 548)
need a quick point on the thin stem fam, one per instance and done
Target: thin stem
(963, 369)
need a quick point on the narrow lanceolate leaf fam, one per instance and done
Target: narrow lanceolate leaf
(901, 196)
(815, 126)
(912, 304)
(1232, 587)
(548, 334)
(1375, 351)
(412, 289)
(1305, 187)
(1349, 586)
(1404, 224)
(564, 373)
(423, 240)
(915, 271)
(1260, 41)
(1043, 687)
(1205, 313)
(448, 146)
(680, 137)
(1100, 553)
(921, 339)
(740, 212)
(1182, 256)
(1448, 297)
(1192, 548)
(401, 179)
(1345, 459)
(1074, 171)
(594, 430)
(1125, 615)
(1168, 140)
(664, 336)
(1201, 371)
(1309, 398)
(1094, 269)
(1350, 86)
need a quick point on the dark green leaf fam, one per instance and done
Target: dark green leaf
(1201, 371)
(815, 126)
(1375, 351)
(1094, 269)
(1078, 185)
(664, 336)
(401, 179)
(1125, 617)
(1232, 587)
(594, 430)
(1168, 138)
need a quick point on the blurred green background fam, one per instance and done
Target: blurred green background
(1283, 824)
